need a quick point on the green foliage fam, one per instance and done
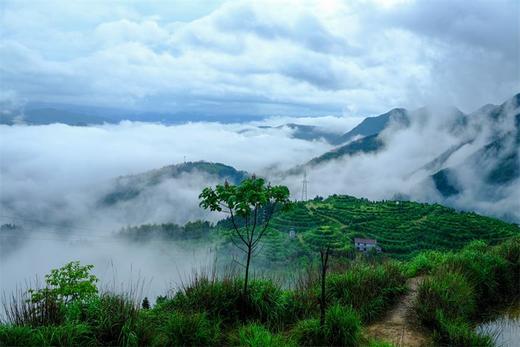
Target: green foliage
(61, 335)
(325, 237)
(402, 228)
(308, 332)
(449, 293)
(112, 317)
(224, 301)
(478, 275)
(459, 333)
(243, 198)
(256, 335)
(72, 282)
(182, 329)
(369, 289)
(342, 328)
(252, 201)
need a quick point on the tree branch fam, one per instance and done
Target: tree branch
(265, 225)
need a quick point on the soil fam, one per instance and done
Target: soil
(399, 326)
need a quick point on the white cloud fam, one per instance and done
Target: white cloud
(269, 57)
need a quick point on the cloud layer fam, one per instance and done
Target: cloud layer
(263, 57)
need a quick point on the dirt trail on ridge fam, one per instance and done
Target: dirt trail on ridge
(399, 326)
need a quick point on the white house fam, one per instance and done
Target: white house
(365, 245)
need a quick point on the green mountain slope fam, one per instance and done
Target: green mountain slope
(402, 228)
(129, 187)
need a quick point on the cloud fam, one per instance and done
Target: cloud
(262, 58)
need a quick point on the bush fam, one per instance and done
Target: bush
(219, 299)
(255, 335)
(61, 335)
(459, 333)
(224, 300)
(368, 289)
(423, 263)
(181, 329)
(485, 271)
(308, 332)
(342, 328)
(112, 317)
(449, 293)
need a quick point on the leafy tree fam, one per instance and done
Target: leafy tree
(252, 201)
(72, 282)
(325, 240)
(146, 303)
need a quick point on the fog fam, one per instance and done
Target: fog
(53, 177)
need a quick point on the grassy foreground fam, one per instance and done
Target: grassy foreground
(212, 311)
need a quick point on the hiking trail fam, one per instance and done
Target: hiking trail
(398, 326)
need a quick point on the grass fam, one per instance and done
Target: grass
(211, 311)
(462, 286)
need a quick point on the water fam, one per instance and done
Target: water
(505, 327)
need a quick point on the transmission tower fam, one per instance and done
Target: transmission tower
(305, 182)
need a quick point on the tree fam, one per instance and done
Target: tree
(146, 303)
(72, 282)
(250, 206)
(326, 240)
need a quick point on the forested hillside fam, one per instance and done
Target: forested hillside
(401, 228)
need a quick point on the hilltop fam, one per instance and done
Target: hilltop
(401, 228)
(129, 187)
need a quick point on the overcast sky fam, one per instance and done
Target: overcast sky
(263, 57)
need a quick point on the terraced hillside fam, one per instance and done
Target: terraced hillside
(402, 228)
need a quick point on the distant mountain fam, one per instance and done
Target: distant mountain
(497, 162)
(374, 125)
(307, 132)
(43, 116)
(39, 113)
(368, 144)
(129, 187)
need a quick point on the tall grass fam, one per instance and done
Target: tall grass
(19, 309)
(463, 285)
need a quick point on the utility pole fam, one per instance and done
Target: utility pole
(304, 186)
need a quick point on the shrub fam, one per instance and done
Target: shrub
(12, 335)
(342, 328)
(72, 282)
(308, 332)
(368, 289)
(459, 333)
(224, 300)
(255, 335)
(423, 263)
(182, 329)
(447, 292)
(112, 317)
(485, 271)
(61, 335)
(219, 299)
(19, 309)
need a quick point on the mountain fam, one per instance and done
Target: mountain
(40, 113)
(308, 132)
(374, 125)
(368, 144)
(129, 187)
(498, 161)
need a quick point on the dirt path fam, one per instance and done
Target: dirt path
(398, 326)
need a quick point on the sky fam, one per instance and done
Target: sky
(269, 58)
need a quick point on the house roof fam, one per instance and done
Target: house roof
(369, 241)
